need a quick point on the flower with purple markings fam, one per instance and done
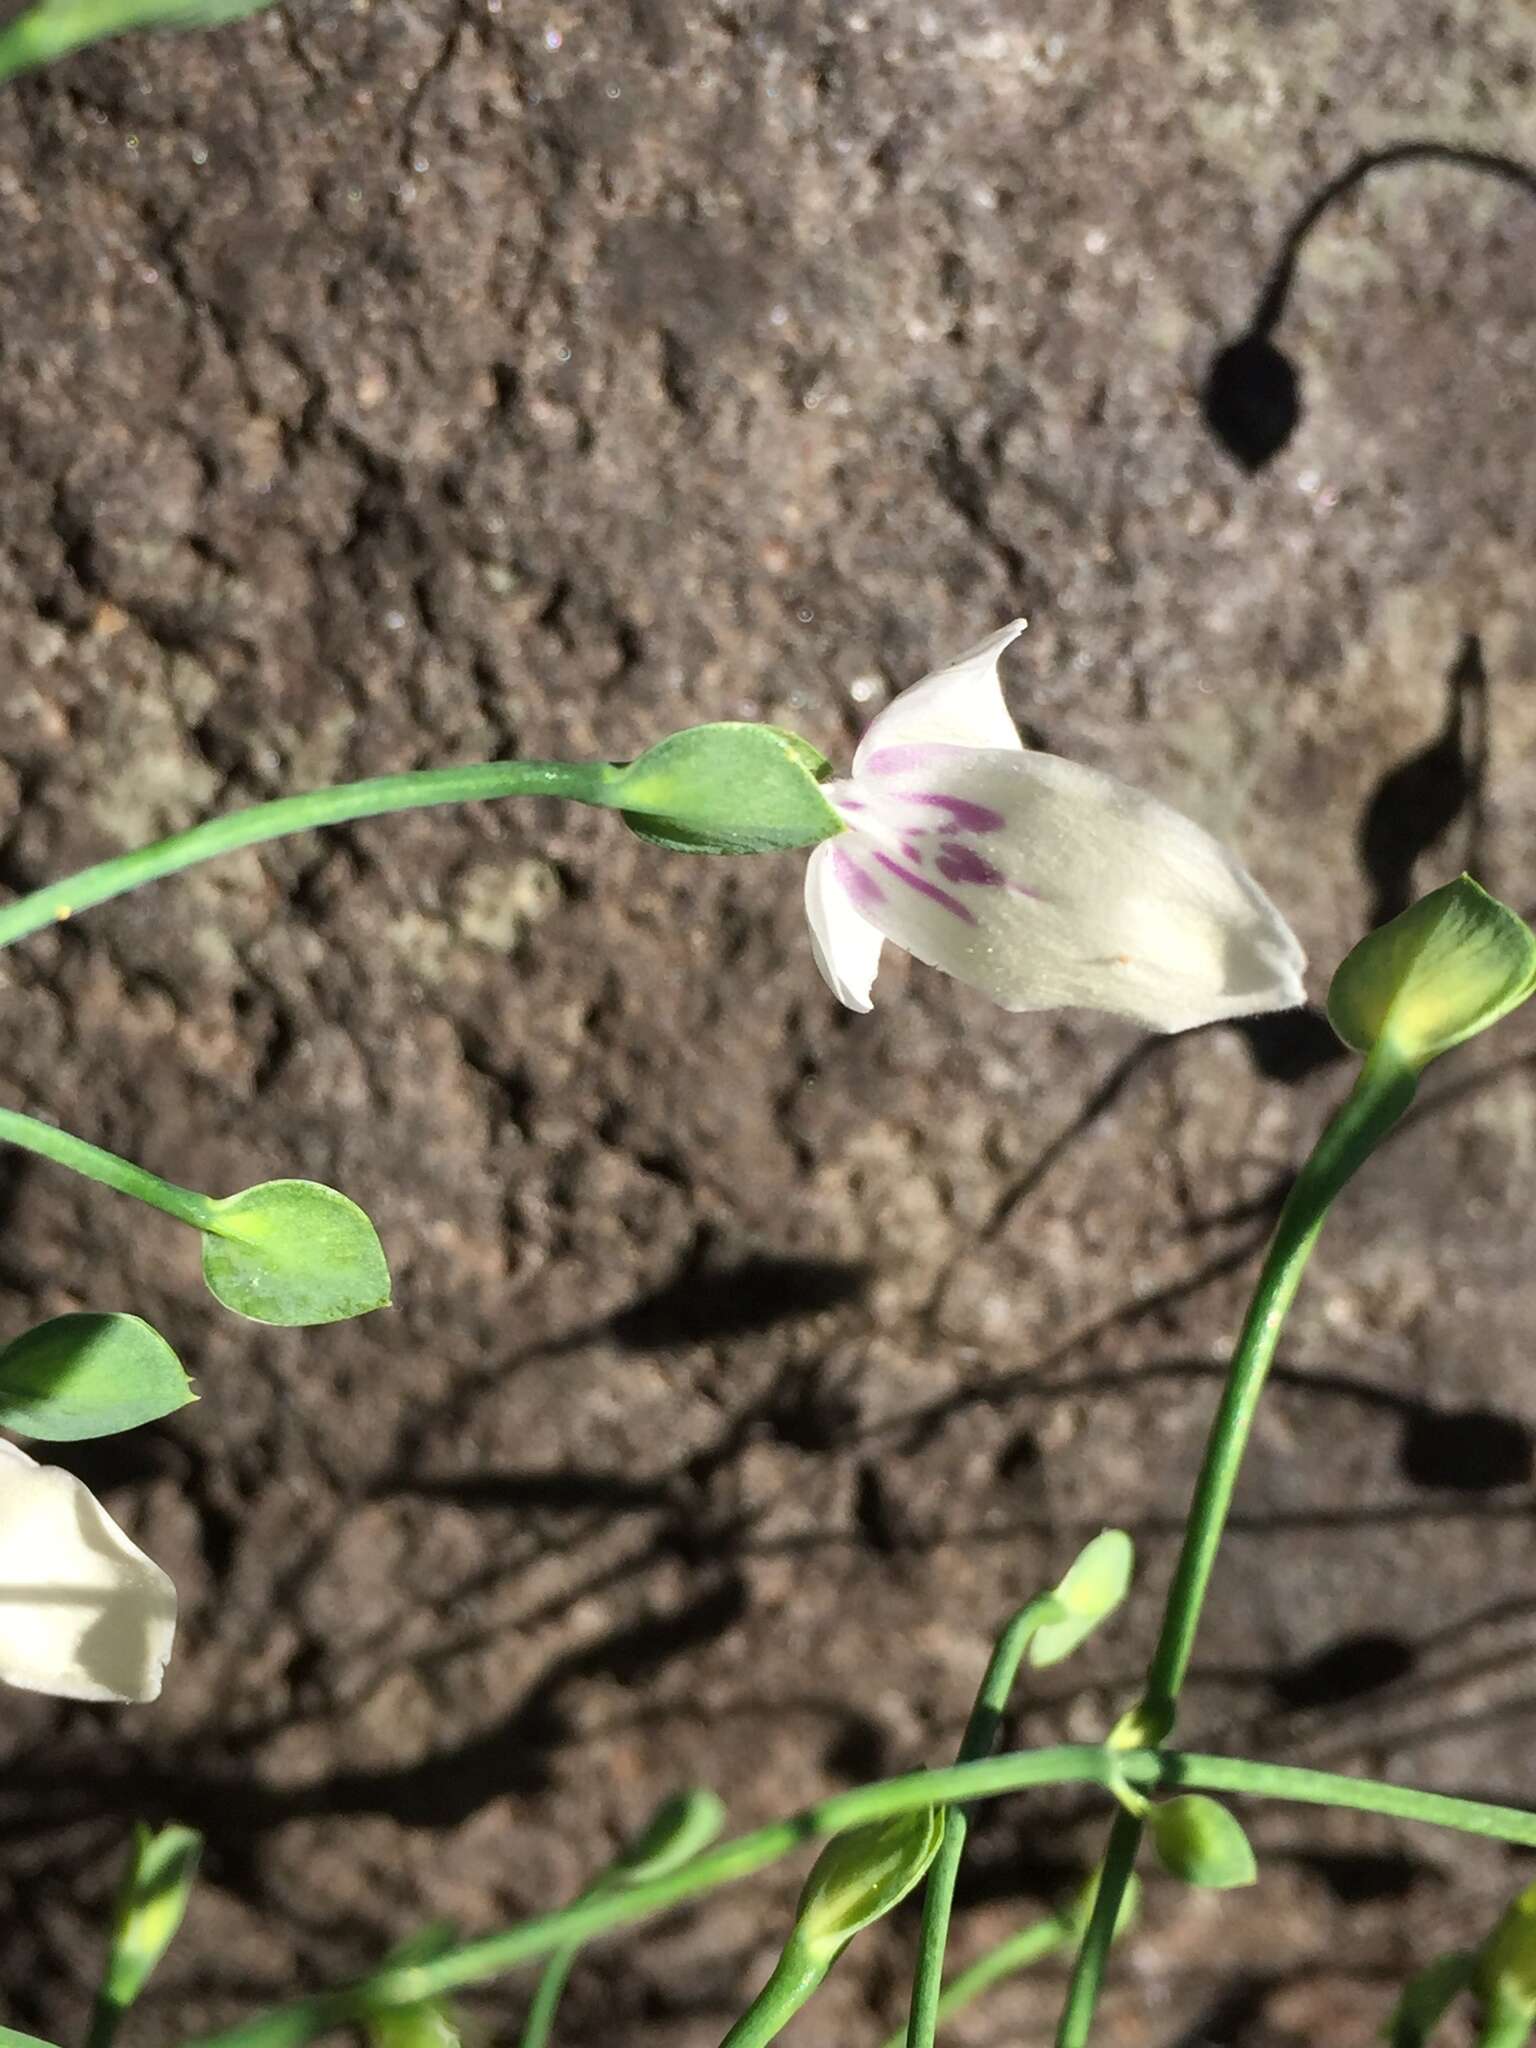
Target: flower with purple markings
(1043, 883)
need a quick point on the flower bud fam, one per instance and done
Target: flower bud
(1198, 1840)
(1094, 1585)
(1450, 966)
(150, 1907)
(675, 1833)
(862, 1875)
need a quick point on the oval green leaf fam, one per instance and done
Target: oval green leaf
(1198, 1840)
(89, 1375)
(294, 1253)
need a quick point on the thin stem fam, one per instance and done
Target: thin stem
(296, 2025)
(1098, 1936)
(547, 1995)
(797, 1975)
(185, 1204)
(106, 2017)
(939, 1896)
(581, 781)
(1382, 1091)
(1020, 1951)
(1380, 1095)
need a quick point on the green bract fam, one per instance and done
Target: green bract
(726, 789)
(1198, 1840)
(1094, 1585)
(1450, 966)
(862, 1875)
(83, 1376)
(292, 1252)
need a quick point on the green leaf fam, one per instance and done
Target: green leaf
(862, 1875)
(89, 1375)
(1092, 1589)
(726, 789)
(1447, 968)
(1199, 1841)
(294, 1253)
(9, 2038)
(1427, 1998)
(150, 1908)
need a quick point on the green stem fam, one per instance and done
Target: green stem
(1020, 1951)
(106, 2017)
(547, 1995)
(581, 781)
(49, 1142)
(1379, 1097)
(295, 2025)
(796, 1977)
(939, 1896)
(1382, 1091)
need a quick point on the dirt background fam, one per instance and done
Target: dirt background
(394, 384)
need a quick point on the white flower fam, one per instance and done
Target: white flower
(1043, 883)
(83, 1612)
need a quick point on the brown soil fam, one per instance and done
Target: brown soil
(402, 383)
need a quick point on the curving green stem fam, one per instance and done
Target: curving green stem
(1018, 1952)
(547, 1995)
(939, 1896)
(1382, 1092)
(185, 1204)
(307, 2019)
(797, 1976)
(581, 781)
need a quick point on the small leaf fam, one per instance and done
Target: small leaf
(1427, 1998)
(1199, 1841)
(9, 2038)
(1447, 968)
(726, 789)
(862, 1875)
(150, 1908)
(1093, 1588)
(293, 1253)
(89, 1375)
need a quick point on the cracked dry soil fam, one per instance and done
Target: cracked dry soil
(411, 381)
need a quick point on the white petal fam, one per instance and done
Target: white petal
(83, 1612)
(959, 705)
(846, 944)
(1049, 885)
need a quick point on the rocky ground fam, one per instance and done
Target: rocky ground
(411, 382)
